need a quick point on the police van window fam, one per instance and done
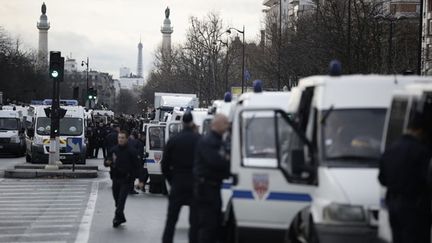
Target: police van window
(353, 136)
(9, 124)
(175, 129)
(288, 141)
(156, 137)
(258, 135)
(396, 120)
(206, 126)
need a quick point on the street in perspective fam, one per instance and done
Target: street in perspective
(228, 121)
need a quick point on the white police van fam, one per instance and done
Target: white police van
(254, 201)
(403, 104)
(12, 139)
(72, 126)
(317, 177)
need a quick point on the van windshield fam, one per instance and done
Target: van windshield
(68, 126)
(353, 136)
(8, 124)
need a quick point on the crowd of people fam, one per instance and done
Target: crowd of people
(193, 165)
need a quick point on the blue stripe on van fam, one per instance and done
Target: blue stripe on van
(150, 161)
(226, 185)
(242, 194)
(274, 196)
(282, 196)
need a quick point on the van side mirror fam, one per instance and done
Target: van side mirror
(30, 132)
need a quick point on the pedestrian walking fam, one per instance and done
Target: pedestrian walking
(211, 167)
(100, 138)
(404, 171)
(177, 167)
(123, 162)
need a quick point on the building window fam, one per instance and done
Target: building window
(429, 26)
(428, 52)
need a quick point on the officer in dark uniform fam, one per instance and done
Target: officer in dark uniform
(112, 137)
(211, 167)
(404, 171)
(177, 167)
(100, 138)
(139, 147)
(123, 162)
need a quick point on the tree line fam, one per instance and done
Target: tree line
(356, 35)
(20, 78)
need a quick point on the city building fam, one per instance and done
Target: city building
(43, 25)
(131, 83)
(124, 72)
(291, 10)
(426, 60)
(70, 65)
(166, 31)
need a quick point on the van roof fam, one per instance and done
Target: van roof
(357, 91)
(265, 100)
(9, 114)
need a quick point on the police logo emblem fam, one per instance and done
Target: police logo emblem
(260, 184)
(158, 157)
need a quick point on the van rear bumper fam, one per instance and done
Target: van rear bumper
(346, 233)
(11, 148)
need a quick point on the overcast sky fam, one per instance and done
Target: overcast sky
(108, 31)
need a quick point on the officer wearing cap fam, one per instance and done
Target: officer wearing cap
(177, 167)
(404, 171)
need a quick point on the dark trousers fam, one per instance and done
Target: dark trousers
(120, 189)
(181, 195)
(208, 205)
(410, 218)
(96, 151)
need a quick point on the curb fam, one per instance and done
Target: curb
(54, 174)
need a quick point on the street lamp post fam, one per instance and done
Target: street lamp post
(243, 55)
(87, 80)
(392, 20)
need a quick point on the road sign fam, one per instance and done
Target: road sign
(74, 145)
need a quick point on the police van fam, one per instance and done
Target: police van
(316, 178)
(12, 139)
(72, 126)
(413, 98)
(246, 203)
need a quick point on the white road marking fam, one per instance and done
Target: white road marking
(48, 226)
(35, 234)
(84, 228)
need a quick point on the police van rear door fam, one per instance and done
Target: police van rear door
(263, 197)
(155, 141)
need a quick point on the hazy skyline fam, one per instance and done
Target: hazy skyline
(108, 31)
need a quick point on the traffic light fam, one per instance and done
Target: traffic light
(56, 66)
(92, 94)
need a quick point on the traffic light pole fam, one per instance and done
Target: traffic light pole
(56, 74)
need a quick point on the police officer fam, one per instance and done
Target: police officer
(111, 138)
(404, 171)
(100, 137)
(139, 147)
(211, 167)
(123, 162)
(177, 167)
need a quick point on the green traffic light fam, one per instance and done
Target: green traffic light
(54, 74)
(90, 97)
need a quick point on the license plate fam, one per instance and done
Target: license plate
(62, 157)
